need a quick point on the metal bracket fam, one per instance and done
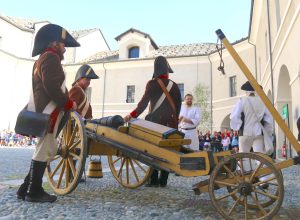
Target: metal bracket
(192, 163)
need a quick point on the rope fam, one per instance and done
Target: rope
(220, 50)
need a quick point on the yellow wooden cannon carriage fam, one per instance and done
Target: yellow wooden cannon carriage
(241, 186)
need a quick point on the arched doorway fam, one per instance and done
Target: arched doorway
(226, 123)
(283, 100)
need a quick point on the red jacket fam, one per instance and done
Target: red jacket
(47, 78)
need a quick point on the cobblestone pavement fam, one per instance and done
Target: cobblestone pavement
(106, 199)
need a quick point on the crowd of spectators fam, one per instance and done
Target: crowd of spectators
(11, 139)
(219, 141)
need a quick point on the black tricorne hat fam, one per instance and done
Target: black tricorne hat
(50, 33)
(247, 86)
(161, 66)
(85, 71)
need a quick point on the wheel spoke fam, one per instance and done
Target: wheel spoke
(265, 181)
(57, 167)
(60, 176)
(230, 172)
(67, 177)
(71, 140)
(241, 165)
(134, 171)
(273, 184)
(140, 166)
(233, 207)
(255, 171)
(225, 196)
(116, 160)
(74, 155)
(121, 167)
(71, 164)
(258, 204)
(64, 134)
(266, 194)
(74, 145)
(225, 183)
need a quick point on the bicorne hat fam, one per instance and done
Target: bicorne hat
(161, 66)
(51, 33)
(85, 71)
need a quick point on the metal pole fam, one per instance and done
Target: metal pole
(104, 85)
(271, 61)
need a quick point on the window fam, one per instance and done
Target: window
(134, 52)
(181, 89)
(232, 81)
(130, 94)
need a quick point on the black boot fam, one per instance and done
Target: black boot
(163, 180)
(35, 191)
(21, 193)
(153, 180)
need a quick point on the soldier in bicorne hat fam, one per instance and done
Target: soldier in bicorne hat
(50, 96)
(82, 81)
(161, 110)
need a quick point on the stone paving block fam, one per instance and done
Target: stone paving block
(294, 213)
(2, 187)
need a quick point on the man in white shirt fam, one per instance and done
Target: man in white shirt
(246, 116)
(189, 119)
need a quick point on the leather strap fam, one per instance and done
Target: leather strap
(163, 87)
(162, 97)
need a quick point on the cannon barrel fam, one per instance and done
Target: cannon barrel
(109, 121)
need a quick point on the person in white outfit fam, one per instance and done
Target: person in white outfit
(246, 121)
(246, 117)
(189, 119)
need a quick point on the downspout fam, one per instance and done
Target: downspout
(255, 57)
(271, 67)
(211, 94)
(104, 85)
(270, 52)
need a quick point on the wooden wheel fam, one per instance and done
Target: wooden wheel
(129, 172)
(65, 170)
(245, 193)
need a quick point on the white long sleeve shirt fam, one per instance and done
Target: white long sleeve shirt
(193, 113)
(252, 119)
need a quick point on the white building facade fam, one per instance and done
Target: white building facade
(270, 52)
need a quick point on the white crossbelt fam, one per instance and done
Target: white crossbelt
(163, 96)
